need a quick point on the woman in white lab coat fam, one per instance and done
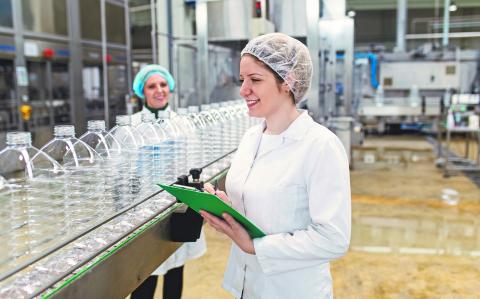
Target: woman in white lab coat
(290, 176)
(153, 85)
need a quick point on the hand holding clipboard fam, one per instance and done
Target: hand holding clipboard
(198, 200)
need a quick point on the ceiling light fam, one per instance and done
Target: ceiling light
(351, 13)
(452, 7)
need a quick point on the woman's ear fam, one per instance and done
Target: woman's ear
(285, 87)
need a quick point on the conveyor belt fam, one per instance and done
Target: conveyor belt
(123, 262)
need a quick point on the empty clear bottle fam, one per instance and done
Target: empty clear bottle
(195, 146)
(207, 134)
(131, 143)
(82, 176)
(124, 133)
(149, 131)
(32, 176)
(113, 165)
(104, 143)
(150, 156)
(5, 227)
(171, 158)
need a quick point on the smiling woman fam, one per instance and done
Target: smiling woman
(156, 92)
(289, 176)
(154, 85)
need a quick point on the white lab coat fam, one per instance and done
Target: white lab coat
(187, 251)
(298, 193)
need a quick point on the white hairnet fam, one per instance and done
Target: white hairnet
(286, 56)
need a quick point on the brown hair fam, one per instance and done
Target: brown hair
(279, 79)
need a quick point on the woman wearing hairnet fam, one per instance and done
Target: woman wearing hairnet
(290, 176)
(154, 85)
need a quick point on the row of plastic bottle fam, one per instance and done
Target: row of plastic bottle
(49, 193)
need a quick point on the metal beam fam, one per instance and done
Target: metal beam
(20, 64)
(201, 14)
(170, 34)
(106, 108)
(440, 35)
(313, 15)
(401, 25)
(77, 100)
(446, 22)
(348, 66)
(360, 5)
(153, 31)
(128, 43)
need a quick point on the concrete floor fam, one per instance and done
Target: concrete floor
(406, 241)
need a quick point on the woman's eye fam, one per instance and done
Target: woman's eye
(241, 81)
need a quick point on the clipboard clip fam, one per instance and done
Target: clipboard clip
(186, 227)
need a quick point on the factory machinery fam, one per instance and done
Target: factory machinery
(62, 62)
(411, 90)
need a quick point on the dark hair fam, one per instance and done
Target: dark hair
(279, 79)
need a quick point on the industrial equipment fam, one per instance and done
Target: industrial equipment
(414, 89)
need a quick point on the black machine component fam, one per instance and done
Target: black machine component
(186, 227)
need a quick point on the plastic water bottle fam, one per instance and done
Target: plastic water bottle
(32, 176)
(170, 161)
(149, 131)
(131, 142)
(113, 165)
(193, 143)
(83, 177)
(124, 133)
(104, 143)
(150, 155)
(207, 134)
(195, 147)
(5, 228)
(219, 132)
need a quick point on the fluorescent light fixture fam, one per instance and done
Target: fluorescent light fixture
(452, 7)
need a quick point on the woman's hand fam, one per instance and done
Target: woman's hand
(232, 229)
(228, 225)
(223, 196)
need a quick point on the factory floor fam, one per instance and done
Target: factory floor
(407, 242)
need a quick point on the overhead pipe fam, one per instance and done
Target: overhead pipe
(446, 22)
(106, 104)
(153, 32)
(401, 25)
(201, 13)
(313, 15)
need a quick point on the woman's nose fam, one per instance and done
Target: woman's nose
(244, 89)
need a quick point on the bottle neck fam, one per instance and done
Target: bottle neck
(19, 139)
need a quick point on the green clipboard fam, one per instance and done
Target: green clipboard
(198, 200)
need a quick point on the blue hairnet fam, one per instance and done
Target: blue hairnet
(145, 73)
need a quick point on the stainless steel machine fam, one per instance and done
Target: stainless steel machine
(413, 88)
(45, 47)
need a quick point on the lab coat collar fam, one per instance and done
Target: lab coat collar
(297, 129)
